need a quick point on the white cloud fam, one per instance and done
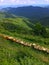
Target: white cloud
(25, 2)
(47, 0)
(1, 1)
(12, 0)
(22, 1)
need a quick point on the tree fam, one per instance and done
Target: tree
(40, 30)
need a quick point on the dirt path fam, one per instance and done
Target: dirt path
(35, 46)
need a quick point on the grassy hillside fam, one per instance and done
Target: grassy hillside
(23, 29)
(6, 15)
(12, 53)
(13, 25)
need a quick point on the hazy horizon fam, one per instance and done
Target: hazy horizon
(18, 3)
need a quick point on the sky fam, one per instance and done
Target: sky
(24, 2)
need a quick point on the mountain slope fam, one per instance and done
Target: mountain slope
(15, 54)
(24, 29)
(29, 11)
(6, 15)
(45, 21)
(36, 14)
(19, 25)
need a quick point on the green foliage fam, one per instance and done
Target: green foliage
(14, 54)
(6, 15)
(45, 21)
(40, 30)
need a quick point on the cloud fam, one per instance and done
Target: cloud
(1, 1)
(18, 1)
(24, 2)
(13, 0)
(47, 1)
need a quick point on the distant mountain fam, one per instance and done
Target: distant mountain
(28, 11)
(47, 6)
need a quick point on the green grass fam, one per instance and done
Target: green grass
(22, 28)
(12, 53)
